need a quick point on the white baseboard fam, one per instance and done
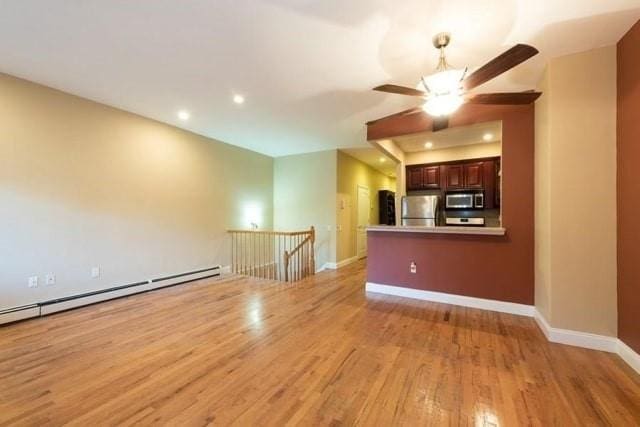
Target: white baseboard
(42, 308)
(556, 335)
(576, 338)
(628, 355)
(484, 304)
(340, 264)
(225, 269)
(19, 313)
(590, 341)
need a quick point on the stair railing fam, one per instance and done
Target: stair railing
(278, 255)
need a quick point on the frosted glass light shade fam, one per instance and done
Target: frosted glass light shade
(445, 93)
(442, 105)
(444, 82)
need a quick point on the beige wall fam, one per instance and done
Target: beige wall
(575, 193)
(84, 185)
(305, 195)
(463, 152)
(542, 182)
(351, 173)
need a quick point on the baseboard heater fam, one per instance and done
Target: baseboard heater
(66, 303)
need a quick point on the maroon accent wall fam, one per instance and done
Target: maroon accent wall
(629, 188)
(499, 268)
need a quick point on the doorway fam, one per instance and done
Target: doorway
(363, 213)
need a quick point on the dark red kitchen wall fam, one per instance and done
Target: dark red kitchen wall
(499, 268)
(629, 188)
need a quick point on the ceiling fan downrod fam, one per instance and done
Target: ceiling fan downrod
(440, 41)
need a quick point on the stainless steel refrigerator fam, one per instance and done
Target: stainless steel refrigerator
(420, 210)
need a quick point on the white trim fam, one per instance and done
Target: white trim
(336, 265)
(628, 355)
(225, 269)
(576, 338)
(590, 341)
(43, 308)
(366, 249)
(556, 335)
(464, 301)
(329, 266)
(92, 299)
(19, 314)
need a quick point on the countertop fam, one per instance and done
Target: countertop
(477, 231)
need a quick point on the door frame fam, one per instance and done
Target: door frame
(358, 187)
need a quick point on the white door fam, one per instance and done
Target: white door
(364, 207)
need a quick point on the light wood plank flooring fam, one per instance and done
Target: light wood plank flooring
(252, 352)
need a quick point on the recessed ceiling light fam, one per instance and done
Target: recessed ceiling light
(238, 99)
(382, 160)
(487, 137)
(428, 144)
(183, 115)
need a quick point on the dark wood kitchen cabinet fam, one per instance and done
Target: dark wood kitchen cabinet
(431, 177)
(414, 178)
(454, 177)
(423, 177)
(473, 175)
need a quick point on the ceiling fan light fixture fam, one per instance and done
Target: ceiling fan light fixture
(445, 92)
(444, 82)
(442, 105)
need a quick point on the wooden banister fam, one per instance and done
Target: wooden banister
(277, 255)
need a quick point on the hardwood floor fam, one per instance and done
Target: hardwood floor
(247, 351)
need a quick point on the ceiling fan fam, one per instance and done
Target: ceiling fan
(447, 89)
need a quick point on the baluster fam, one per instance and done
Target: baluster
(298, 258)
(260, 263)
(313, 253)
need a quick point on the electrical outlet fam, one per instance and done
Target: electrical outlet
(33, 282)
(50, 279)
(413, 268)
(95, 272)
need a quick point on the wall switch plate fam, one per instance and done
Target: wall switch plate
(50, 279)
(33, 282)
(413, 268)
(95, 272)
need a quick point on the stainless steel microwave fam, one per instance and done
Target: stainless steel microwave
(464, 201)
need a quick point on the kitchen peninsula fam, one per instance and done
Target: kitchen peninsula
(488, 267)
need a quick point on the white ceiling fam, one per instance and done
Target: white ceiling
(306, 67)
(450, 137)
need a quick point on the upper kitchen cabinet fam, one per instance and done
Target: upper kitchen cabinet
(454, 159)
(431, 176)
(423, 177)
(415, 179)
(454, 176)
(473, 175)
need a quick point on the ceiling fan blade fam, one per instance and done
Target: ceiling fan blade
(498, 65)
(407, 112)
(440, 123)
(505, 98)
(400, 90)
